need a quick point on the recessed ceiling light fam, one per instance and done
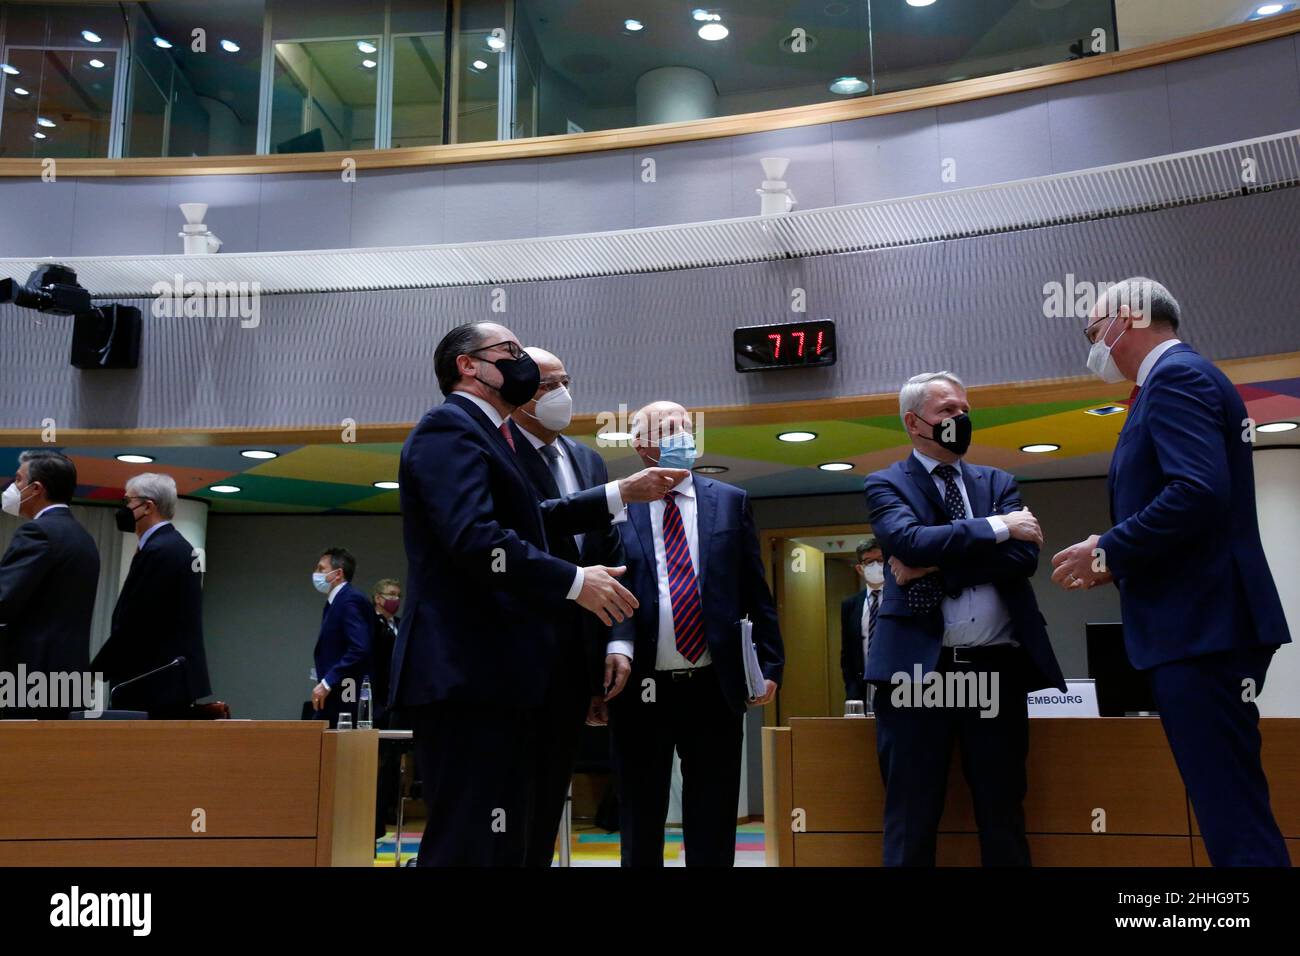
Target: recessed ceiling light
(365, 46)
(797, 436)
(848, 85)
(611, 437)
(261, 454)
(1042, 448)
(1268, 9)
(47, 123)
(135, 459)
(90, 36)
(633, 26)
(919, 3)
(495, 42)
(713, 32)
(705, 15)
(230, 46)
(162, 44)
(1272, 427)
(96, 64)
(1106, 410)
(710, 469)
(19, 91)
(369, 64)
(478, 65)
(836, 466)
(387, 485)
(225, 489)
(11, 70)
(38, 135)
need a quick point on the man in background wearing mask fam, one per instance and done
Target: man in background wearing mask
(957, 603)
(343, 657)
(858, 620)
(48, 576)
(387, 598)
(484, 597)
(559, 467)
(159, 614)
(1201, 614)
(694, 565)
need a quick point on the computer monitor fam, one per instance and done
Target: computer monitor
(1122, 690)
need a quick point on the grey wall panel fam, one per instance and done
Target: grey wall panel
(882, 157)
(997, 139)
(490, 201)
(120, 217)
(37, 216)
(1110, 119)
(397, 207)
(587, 193)
(308, 211)
(233, 204)
(1235, 94)
(974, 306)
(811, 173)
(692, 183)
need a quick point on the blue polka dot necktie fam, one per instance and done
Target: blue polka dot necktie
(927, 593)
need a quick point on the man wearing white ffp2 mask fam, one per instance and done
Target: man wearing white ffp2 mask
(858, 620)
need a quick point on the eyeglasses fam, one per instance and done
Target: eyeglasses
(1088, 333)
(130, 498)
(554, 384)
(513, 348)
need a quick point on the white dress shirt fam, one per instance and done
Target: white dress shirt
(977, 617)
(667, 657)
(613, 498)
(569, 483)
(1153, 356)
(329, 599)
(48, 508)
(149, 534)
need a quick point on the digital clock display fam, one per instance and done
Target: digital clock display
(793, 345)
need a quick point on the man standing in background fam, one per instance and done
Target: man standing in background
(387, 598)
(858, 621)
(159, 614)
(1201, 614)
(48, 576)
(342, 655)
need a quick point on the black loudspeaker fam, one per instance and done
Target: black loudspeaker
(107, 337)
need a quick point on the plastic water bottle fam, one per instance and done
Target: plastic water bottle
(365, 715)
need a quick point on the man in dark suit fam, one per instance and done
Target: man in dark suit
(387, 598)
(471, 666)
(1201, 613)
(693, 563)
(48, 578)
(159, 612)
(959, 641)
(559, 466)
(858, 616)
(343, 657)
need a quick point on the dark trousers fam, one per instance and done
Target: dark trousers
(560, 727)
(475, 765)
(914, 744)
(692, 716)
(1214, 735)
(389, 776)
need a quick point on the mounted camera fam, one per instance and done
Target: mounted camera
(104, 336)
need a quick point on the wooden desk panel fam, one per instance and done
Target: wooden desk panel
(962, 849)
(192, 852)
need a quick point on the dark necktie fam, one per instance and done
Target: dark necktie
(505, 433)
(873, 606)
(552, 456)
(925, 594)
(683, 588)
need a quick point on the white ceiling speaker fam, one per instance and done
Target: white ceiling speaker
(774, 195)
(196, 239)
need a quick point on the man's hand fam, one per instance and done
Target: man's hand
(318, 695)
(605, 597)
(905, 574)
(597, 713)
(617, 669)
(1073, 568)
(1023, 526)
(768, 695)
(650, 484)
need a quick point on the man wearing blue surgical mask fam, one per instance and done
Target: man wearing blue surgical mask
(693, 563)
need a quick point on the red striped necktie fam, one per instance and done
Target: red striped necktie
(505, 433)
(683, 588)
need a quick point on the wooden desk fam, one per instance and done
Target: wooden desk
(186, 793)
(1102, 792)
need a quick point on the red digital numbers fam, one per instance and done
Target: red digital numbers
(801, 336)
(776, 346)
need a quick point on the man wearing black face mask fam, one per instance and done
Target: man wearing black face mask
(959, 614)
(483, 598)
(159, 614)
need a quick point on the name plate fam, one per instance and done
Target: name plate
(1079, 700)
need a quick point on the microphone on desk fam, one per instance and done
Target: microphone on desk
(175, 663)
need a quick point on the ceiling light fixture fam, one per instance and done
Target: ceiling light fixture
(47, 123)
(230, 46)
(710, 469)
(387, 485)
(96, 64)
(796, 437)
(836, 466)
(1042, 448)
(261, 454)
(11, 70)
(19, 91)
(90, 36)
(369, 64)
(496, 43)
(365, 46)
(162, 44)
(478, 66)
(848, 85)
(919, 3)
(133, 459)
(1268, 9)
(713, 32)
(610, 438)
(225, 489)
(633, 26)
(38, 135)
(1274, 427)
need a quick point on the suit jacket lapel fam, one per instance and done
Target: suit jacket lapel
(534, 464)
(705, 512)
(925, 482)
(494, 435)
(977, 490)
(579, 469)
